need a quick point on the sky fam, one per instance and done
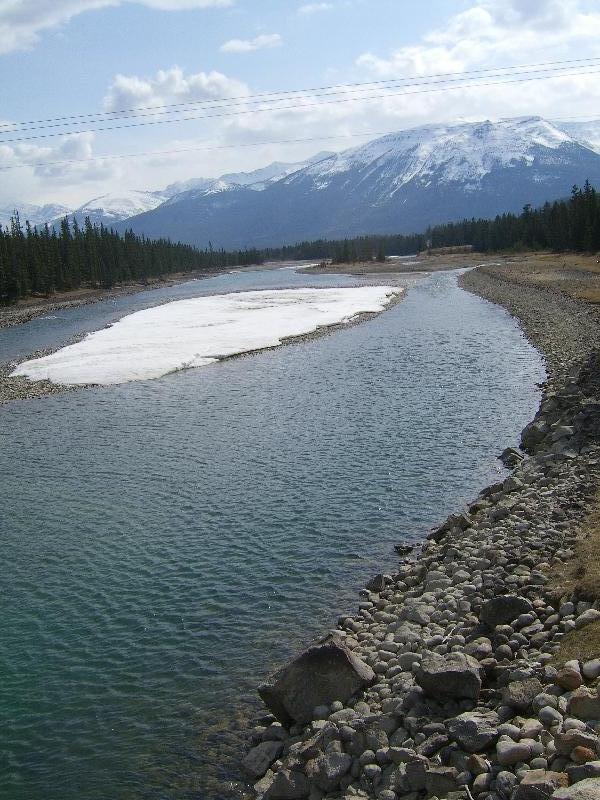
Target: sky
(71, 58)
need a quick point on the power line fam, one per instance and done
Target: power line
(243, 112)
(551, 66)
(207, 148)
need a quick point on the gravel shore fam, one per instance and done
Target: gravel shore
(450, 680)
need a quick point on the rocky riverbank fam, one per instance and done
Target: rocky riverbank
(450, 681)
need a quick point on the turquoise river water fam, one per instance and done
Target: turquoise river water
(166, 543)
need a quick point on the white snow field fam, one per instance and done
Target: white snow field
(194, 333)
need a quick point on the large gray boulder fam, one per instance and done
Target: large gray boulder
(519, 694)
(589, 789)
(474, 730)
(260, 758)
(328, 769)
(503, 609)
(584, 704)
(325, 672)
(288, 785)
(450, 676)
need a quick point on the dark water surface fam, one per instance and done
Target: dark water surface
(165, 543)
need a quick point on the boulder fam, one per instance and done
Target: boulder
(509, 752)
(503, 609)
(260, 758)
(584, 704)
(474, 730)
(566, 742)
(519, 694)
(568, 679)
(441, 780)
(539, 784)
(328, 769)
(288, 785)
(588, 789)
(445, 677)
(325, 672)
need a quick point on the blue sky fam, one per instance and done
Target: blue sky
(65, 57)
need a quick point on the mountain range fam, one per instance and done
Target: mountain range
(397, 183)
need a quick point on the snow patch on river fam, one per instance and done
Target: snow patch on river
(194, 333)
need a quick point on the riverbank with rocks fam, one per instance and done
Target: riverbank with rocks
(473, 670)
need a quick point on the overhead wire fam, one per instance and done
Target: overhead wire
(283, 93)
(548, 74)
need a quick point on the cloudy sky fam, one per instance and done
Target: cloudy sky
(207, 60)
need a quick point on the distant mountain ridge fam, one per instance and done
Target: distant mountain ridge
(397, 183)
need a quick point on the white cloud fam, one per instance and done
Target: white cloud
(45, 172)
(494, 32)
(21, 21)
(170, 86)
(265, 40)
(314, 8)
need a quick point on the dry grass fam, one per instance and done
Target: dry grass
(581, 577)
(575, 275)
(583, 645)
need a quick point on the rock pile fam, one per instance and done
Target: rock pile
(454, 693)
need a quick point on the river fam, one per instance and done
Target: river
(166, 543)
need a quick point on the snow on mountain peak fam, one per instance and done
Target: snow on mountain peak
(465, 152)
(119, 206)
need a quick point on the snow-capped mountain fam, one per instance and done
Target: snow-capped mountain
(35, 215)
(257, 180)
(401, 182)
(111, 208)
(586, 132)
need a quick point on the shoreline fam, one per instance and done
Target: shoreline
(32, 308)
(461, 689)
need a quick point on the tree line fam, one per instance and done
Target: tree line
(40, 262)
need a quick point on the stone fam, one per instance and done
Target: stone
(328, 770)
(539, 784)
(519, 694)
(568, 678)
(549, 716)
(441, 780)
(376, 584)
(588, 789)
(581, 755)
(288, 785)
(444, 677)
(505, 783)
(503, 609)
(579, 772)
(591, 669)
(584, 704)
(566, 742)
(591, 615)
(259, 759)
(474, 730)
(323, 673)
(509, 752)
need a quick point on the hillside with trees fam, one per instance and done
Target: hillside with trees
(41, 262)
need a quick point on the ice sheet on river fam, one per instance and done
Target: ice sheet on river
(197, 332)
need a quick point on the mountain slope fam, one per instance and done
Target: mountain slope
(35, 215)
(109, 209)
(398, 183)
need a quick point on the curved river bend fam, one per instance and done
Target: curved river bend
(165, 543)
